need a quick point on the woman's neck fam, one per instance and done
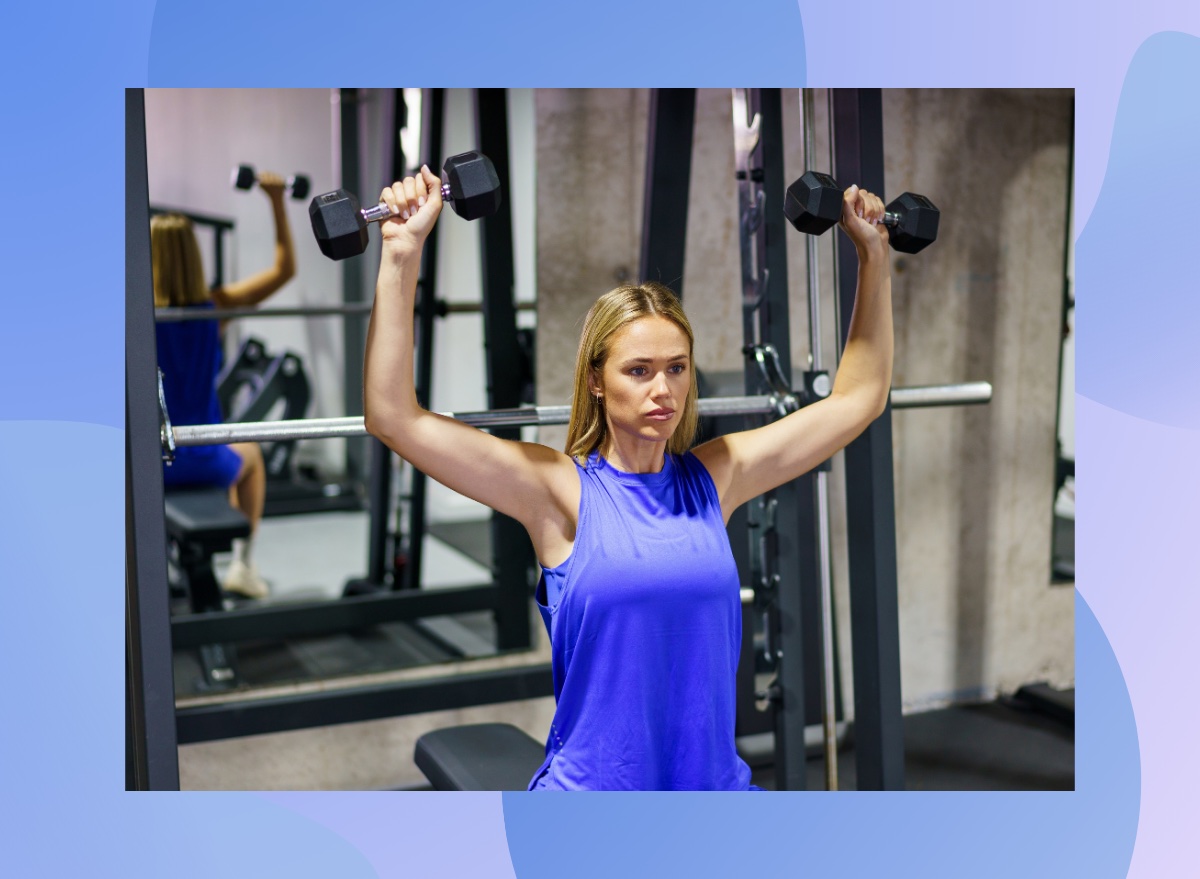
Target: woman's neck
(634, 455)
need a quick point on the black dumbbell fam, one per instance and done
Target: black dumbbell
(245, 178)
(469, 185)
(813, 204)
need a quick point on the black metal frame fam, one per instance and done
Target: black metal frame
(325, 617)
(433, 115)
(870, 495)
(668, 176)
(354, 333)
(781, 524)
(354, 705)
(151, 759)
(1063, 466)
(513, 560)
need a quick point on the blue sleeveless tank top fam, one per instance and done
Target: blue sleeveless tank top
(645, 628)
(190, 356)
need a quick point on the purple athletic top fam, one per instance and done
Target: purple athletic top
(645, 627)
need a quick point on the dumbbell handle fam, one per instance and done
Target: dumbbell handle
(381, 211)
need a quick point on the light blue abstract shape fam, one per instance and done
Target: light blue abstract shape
(1138, 316)
(415, 833)
(523, 43)
(1135, 546)
(1089, 832)
(61, 233)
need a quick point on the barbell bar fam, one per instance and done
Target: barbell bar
(968, 393)
(173, 315)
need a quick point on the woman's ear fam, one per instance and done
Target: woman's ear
(594, 387)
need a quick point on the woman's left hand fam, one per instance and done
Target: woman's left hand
(862, 220)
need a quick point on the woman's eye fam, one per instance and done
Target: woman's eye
(638, 371)
(678, 369)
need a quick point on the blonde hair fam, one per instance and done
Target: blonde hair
(614, 310)
(175, 260)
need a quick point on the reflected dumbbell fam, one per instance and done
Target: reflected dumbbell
(469, 185)
(813, 205)
(244, 177)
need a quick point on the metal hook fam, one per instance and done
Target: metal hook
(165, 434)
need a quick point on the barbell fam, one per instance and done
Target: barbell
(968, 393)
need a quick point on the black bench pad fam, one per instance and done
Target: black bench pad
(484, 756)
(203, 515)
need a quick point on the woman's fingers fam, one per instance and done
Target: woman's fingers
(406, 197)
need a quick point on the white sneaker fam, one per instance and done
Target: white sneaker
(244, 580)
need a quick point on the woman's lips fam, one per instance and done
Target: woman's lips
(661, 414)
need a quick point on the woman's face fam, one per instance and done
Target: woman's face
(645, 380)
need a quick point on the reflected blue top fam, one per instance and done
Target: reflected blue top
(190, 357)
(645, 627)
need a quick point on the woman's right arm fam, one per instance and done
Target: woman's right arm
(251, 291)
(529, 482)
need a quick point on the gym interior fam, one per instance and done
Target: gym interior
(400, 612)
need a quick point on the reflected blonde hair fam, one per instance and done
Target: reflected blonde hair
(613, 311)
(175, 260)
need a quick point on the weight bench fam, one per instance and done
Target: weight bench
(201, 522)
(484, 756)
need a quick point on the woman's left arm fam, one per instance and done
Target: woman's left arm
(744, 465)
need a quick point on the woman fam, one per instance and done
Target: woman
(190, 357)
(639, 587)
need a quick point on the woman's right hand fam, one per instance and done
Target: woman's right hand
(416, 203)
(272, 185)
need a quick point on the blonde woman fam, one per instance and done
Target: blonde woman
(190, 357)
(639, 588)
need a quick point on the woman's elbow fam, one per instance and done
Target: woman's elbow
(286, 270)
(374, 421)
(881, 404)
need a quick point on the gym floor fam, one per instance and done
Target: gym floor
(1001, 745)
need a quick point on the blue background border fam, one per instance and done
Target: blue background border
(61, 420)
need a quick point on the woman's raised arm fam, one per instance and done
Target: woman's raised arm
(744, 465)
(251, 291)
(534, 484)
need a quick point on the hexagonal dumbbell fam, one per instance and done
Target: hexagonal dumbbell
(813, 204)
(469, 185)
(244, 177)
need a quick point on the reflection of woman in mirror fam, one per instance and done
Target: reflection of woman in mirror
(639, 588)
(190, 356)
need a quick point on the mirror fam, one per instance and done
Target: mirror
(309, 591)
